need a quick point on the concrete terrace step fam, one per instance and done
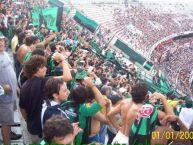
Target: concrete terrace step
(16, 129)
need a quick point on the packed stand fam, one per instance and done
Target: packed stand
(153, 24)
(174, 59)
(139, 25)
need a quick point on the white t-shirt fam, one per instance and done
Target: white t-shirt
(186, 115)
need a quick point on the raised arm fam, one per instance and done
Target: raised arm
(98, 96)
(167, 107)
(47, 40)
(177, 135)
(65, 65)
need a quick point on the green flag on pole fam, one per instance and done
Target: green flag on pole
(50, 16)
(36, 16)
(56, 3)
(86, 22)
(35, 19)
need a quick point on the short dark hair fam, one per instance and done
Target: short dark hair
(114, 99)
(52, 46)
(52, 86)
(38, 51)
(30, 27)
(32, 66)
(139, 92)
(79, 95)
(17, 31)
(31, 40)
(28, 41)
(56, 126)
(104, 89)
(21, 37)
(171, 95)
(34, 39)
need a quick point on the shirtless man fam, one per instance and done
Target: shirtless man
(24, 52)
(133, 111)
(24, 49)
(122, 108)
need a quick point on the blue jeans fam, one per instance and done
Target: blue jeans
(102, 133)
(95, 138)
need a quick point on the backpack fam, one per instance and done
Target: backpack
(71, 109)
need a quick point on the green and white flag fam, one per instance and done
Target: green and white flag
(36, 16)
(50, 16)
(35, 19)
(56, 3)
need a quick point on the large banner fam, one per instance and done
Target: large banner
(36, 16)
(52, 18)
(133, 55)
(56, 3)
(35, 19)
(90, 24)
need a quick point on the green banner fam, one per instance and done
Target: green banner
(84, 21)
(50, 16)
(35, 19)
(133, 55)
(56, 3)
(36, 16)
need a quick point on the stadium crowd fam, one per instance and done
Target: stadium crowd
(174, 58)
(153, 25)
(69, 95)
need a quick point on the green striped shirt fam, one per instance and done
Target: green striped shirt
(145, 121)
